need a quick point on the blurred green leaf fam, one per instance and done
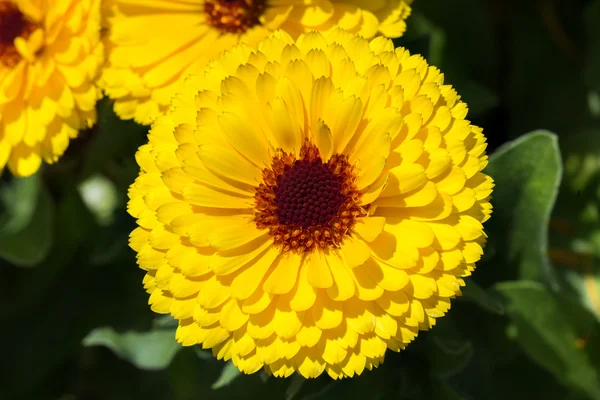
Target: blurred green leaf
(151, 350)
(228, 374)
(527, 174)
(26, 231)
(18, 198)
(550, 328)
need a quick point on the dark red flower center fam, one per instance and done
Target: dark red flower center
(306, 203)
(234, 16)
(13, 24)
(308, 194)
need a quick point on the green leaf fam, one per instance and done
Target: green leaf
(26, 235)
(228, 374)
(527, 174)
(203, 354)
(151, 350)
(18, 198)
(551, 329)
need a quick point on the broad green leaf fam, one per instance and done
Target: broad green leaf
(26, 236)
(527, 174)
(228, 374)
(151, 350)
(557, 333)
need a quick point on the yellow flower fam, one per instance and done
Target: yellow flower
(152, 45)
(50, 54)
(307, 205)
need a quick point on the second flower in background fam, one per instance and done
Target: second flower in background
(152, 45)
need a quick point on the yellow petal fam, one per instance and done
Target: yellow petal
(355, 251)
(369, 227)
(251, 144)
(287, 322)
(247, 281)
(327, 313)
(318, 274)
(323, 140)
(232, 317)
(228, 261)
(284, 274)
(343, 283)
(229, 164)
(304, 294)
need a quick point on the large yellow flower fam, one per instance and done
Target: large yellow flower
(152, 45)
(307, 205)
(50, 54)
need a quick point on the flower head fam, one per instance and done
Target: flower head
(310, 204)
(153, 45)
(50, 53)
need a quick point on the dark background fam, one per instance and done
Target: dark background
(526, 327)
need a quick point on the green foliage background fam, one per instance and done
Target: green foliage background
(75, 320)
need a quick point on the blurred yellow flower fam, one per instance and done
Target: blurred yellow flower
(152, 45)
(50, 54)
(307, 205)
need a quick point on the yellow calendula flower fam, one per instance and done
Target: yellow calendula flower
(152, 45)
(305, 206)
(50, 55)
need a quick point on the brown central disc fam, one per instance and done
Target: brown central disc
(234, 16)
(306, 203)
(308, 194)
(13, 24)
